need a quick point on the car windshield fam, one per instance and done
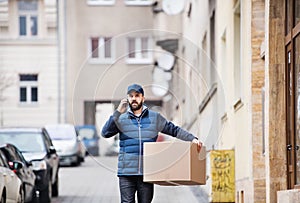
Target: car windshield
(86, 133)
(25, 141)
(61, 133)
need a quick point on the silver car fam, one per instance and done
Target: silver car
(67, 143)
(37, 148)
(10, 185)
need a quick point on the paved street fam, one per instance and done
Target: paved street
(96, 181)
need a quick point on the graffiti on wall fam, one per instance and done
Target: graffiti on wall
(223, 177)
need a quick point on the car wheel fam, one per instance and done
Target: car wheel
(45, 195)
(21, 196)
(77, 162)
(55, 186)
(82, 159)
(3, 198)
(34, 196)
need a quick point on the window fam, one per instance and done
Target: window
(139, 50)
(237, 55)
(292, 49)
(138, 2)
(213, 75)
(100, 2)
(3, 160)
(28, 17)
(101, 49)
(205, 72)
(28, 88)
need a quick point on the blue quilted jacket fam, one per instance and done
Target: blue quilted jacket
(133, 132)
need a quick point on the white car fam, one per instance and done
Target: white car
(10, 185)
(67, 143)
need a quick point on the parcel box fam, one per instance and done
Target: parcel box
(174, 163)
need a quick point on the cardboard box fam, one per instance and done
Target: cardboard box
(174, 163)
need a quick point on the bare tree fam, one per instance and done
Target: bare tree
(5, 82)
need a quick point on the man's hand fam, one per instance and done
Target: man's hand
(123, 106)
(199, 144)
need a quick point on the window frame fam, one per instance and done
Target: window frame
(237, 66)
(101, 59)
(28, 85)
(292, 31)
(29, 14)
(138, 59)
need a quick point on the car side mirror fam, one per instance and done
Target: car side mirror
(29, 163)
(16, 165)
(52, 150)
(79, 137)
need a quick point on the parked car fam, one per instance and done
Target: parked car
(90, 138)
(36, 147)
(25, 173)
(68, 144)
(10, 184)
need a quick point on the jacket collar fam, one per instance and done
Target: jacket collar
(131, 114)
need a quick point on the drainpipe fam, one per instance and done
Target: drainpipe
(58, 62)
(65, 61)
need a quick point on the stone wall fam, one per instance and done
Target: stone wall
(275, 119)
(257, 70)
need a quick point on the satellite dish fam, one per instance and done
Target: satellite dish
(166, 61)
(168, 76)
(173, 7)
(161, 75)
(160, 88)
(158, 74)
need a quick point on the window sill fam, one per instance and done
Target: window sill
(25, 104)
(208, 97)
(101, 61)
(224, 118)
(28, 41)
(238, 104)
(138, 3)
(104, 3)
(139, 61)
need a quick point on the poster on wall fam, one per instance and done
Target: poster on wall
(223, 176)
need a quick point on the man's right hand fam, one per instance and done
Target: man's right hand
(122, 106)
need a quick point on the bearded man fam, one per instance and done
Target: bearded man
(136, 124)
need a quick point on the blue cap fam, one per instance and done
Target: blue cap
(135, 87)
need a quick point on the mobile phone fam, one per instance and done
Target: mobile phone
(126, 104)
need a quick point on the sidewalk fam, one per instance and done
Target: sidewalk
(95, 181)
(178, 194)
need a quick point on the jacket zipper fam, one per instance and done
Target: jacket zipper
(140, 144)
(140, 138)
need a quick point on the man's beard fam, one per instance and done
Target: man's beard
(135, 108)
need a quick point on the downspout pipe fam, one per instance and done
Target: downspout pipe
(58, 62)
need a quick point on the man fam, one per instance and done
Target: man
(136, 125)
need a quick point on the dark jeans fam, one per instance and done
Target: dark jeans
(129, 185)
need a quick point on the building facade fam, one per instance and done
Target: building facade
(234, 81)
(111, 44)
(243, 79)
(31, 63)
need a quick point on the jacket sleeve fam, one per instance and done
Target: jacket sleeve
(110, 128)
(173, 130)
